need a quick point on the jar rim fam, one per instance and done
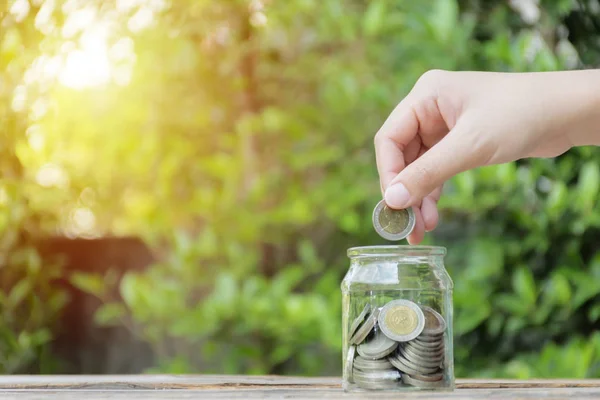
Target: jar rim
(395, 250)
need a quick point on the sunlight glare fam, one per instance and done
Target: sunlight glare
(89, 65)
(19, 10)
(52, 175)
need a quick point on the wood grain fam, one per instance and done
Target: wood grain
(268, 387)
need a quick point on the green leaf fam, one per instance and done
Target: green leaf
(90, 283)
(128, 289)
(470, 318)
(594, 313)
(22, 289)
(560, 290)
(109, 314)
(557, 200)
(444, 18)
(511, 304)
(374, 17)
(524, 286)
(588, 185)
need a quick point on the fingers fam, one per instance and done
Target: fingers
(447, 158)
(430, 214)
(416, 236)
(391, 141)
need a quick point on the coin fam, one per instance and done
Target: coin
(371, 365)
(429, 339)
(418, 360)
(364, 330)
(420, 370)
(376, 385)
(393, 224)
(385, 375)
(434, 322)
(401, 320)
(399, 364)
(422, 384)
(378, 382)
(361, 317)
(429, 378)
(427, 353)
(350, 362)
(430, 356)
(378, 347)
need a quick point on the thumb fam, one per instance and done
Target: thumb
(448, 157)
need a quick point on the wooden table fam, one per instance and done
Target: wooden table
(271, 387)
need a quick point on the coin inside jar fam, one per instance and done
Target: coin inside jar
(364, 330)
(359, 320)
(434, 322)
(378, 347)
(401, 320)
(392, 224)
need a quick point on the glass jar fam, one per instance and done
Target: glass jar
(397, 320)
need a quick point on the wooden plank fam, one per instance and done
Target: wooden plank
(467, 394)
(162, 382)
(269, 387)
(204, 382)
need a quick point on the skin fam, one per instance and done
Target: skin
(451, 122)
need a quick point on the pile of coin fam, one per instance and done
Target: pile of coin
(401, 343)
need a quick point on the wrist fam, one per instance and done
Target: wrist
(576, 111)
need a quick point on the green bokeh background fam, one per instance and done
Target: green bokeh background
(236, 138)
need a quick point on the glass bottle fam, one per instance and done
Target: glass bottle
(397, 320)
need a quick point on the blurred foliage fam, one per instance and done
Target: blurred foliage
(29, 302)
(235, 137)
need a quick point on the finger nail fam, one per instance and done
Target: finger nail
(396, 196)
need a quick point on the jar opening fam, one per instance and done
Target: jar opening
(399, 250)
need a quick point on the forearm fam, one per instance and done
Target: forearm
(571, 102)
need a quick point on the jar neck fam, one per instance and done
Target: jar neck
(408, 254)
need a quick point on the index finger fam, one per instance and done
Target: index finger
(391, 141)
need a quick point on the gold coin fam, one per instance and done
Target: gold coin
(393, 224)
(402, 320)
(393, 221)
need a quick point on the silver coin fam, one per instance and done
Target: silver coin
(364, 330)
(359, 320)
(350, 363)
(371, 365)
(377, 384)
(418, 360)
(383, 375)
(428, 344)
(429, 339)
(393, 224)
(431, 336)
(420, 370)
(401, 320)
(429, 378)
(422, 384)
(378, 347)
(425, 353)
(429, 357)
(402, 367)
(434, 322)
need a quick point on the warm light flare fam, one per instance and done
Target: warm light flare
(89, 65)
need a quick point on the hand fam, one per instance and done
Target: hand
(454, 121)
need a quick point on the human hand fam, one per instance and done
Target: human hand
(454, 121)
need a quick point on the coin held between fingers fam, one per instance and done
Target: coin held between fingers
(393, 224)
